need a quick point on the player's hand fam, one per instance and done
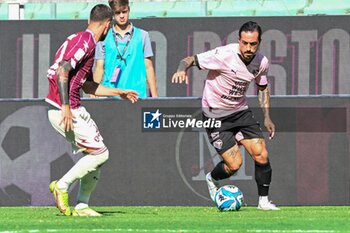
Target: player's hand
(93, 96)
(179, 77)
(270, 126)
(130, 95)
(67, 118)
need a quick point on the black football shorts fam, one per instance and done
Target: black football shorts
(234, 128)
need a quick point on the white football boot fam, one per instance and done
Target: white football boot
(212, 186)
(86, 212)
(265, 204)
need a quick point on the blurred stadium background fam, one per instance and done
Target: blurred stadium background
(63, 9)
(307, 42)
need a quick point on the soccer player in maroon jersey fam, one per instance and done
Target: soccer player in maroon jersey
(71, 72)
(231, 69)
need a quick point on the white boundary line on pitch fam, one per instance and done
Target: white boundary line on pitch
(293, 231)
(170, 230)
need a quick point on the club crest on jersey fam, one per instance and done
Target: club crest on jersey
(218, 144)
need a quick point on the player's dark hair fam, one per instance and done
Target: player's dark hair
(117, 3)
(100, 13)
(250, 27)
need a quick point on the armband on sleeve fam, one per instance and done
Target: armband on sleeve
(90, 87)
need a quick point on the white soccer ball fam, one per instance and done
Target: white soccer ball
(229, 198)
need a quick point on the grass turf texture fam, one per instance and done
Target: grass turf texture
(178, 219)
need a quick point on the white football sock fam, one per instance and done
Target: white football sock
(62, 186)
(81, 206)
(263, 199)
(85, 165)
(87, 186)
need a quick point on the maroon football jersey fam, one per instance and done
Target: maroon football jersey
(78, 50)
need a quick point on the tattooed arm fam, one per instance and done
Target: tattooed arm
(184, 65)
(62, 77)
(264, 101)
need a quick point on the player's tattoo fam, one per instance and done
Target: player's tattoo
(185, 63)
(63, 88)
(233, 153)
(264, 99)
(259, 141)
(66, 66)
(258, 145)
(263, 96)
(62, 76)
(182, 66)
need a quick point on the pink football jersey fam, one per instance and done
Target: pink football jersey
(229, 78)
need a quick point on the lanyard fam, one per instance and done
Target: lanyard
(120, 55)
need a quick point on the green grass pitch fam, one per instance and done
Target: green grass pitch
(312, 219)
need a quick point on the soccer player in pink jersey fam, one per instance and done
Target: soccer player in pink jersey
(231, 69)
(71, 72)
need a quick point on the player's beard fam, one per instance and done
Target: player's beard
(248, 56)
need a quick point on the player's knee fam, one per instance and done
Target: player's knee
(262, 157)
(258, 148)
(259, 152)
(233, 167)
(102, 157)
(105, 156)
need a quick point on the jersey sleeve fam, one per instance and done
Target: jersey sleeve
(262, 79)
(212, 59)
(78, 46)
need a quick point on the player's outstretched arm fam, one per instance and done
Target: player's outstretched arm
(98, 73)
(180, 75)
(129, 94)
(264, 100)
(99, 90)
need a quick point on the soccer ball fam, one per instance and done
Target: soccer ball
(229, 198)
